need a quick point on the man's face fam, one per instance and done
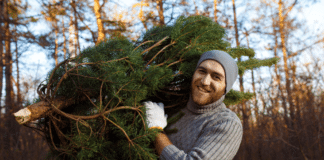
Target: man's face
(208, 83)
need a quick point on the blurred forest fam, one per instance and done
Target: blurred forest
(283, 120)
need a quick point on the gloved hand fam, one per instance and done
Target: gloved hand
(155, 115)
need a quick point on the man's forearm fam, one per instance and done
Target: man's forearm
(161, 141)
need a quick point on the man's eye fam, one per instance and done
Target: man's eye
(202, 71)
(217, 77)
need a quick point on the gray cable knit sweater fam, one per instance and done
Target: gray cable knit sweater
(211, 132)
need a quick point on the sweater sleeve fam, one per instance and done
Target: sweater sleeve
(219, 140)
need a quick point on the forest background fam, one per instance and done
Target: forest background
(283, 121)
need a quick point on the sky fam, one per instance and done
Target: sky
(37, 65)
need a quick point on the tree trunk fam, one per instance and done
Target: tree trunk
(56, 42)
(1, 54)
(215, 11)
(1, 72)
(76, 29)
(64, 38)
(11, 128)
(141, 15)
(72, 49)
(97, 10)
(284, 51)
(277, 122)
(159, 7)
(38, 110)
(19, 100)
(244, 109)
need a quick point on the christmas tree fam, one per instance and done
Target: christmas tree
(92, 104)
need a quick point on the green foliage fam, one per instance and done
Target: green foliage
(234, 97)
(116, 76)
(251, 62)
(241, 51)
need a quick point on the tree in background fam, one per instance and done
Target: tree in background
(12, 129)
(51, 12)
(152, 13)
(16, 36)
(97, 9)
(270, 131)
(2, 19)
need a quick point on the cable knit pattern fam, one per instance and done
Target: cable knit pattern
(211, 132)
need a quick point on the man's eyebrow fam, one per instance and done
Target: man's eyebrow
(200, 67)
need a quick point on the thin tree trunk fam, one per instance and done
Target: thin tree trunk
(56, 42)
(278, 77)
(284, 51)
(244, 109)
(76, 29)
(10, 127)
(72, 49)
(64, 38)
(239, 60)
(1, 55)
(101, 32)
(237, 42)
(17, 65)
(159, 7)
(1, 72)
(215, 10)
(277, 123)
(141, 15)
(291, 118)
(256, 109)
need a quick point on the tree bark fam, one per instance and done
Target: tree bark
(38, 110)
(215, 10)
(284, 51)
(72, 49)
(11, 128)
(1, 53)
(97, 10)
(159, 7)
(73, 32)
(76, 29)
(244, 108)
(56, 42)
(64, 38)
(19, 100)
(1, 70)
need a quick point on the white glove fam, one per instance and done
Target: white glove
(155, 114)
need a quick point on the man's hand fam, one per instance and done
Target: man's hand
(155, 115)
(157, 119)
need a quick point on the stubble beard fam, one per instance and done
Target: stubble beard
(200, 98)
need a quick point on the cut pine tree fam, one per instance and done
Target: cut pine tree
(38, 110)
(123, 74)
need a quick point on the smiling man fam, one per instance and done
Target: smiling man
(208, 130)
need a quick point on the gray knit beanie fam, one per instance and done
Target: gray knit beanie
(228, 63)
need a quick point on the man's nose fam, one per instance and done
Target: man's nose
(206, 80)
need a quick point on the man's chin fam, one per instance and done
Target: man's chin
(200, 102)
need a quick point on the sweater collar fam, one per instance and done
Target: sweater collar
(195, 108)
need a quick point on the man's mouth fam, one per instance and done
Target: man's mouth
(202, 90)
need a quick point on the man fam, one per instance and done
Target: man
(208, 130)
